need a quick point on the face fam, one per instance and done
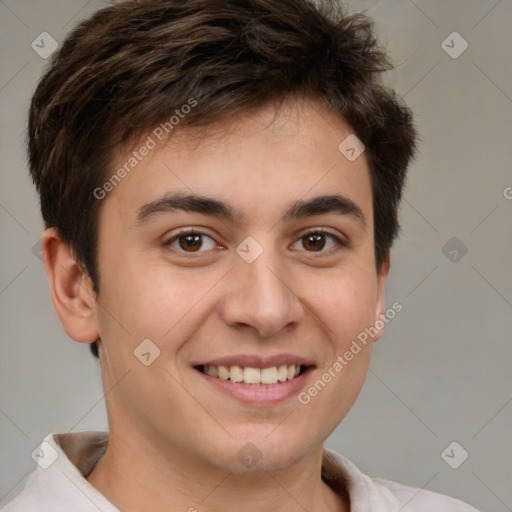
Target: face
(259, 275)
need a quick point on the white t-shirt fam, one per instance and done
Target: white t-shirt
(59, 483)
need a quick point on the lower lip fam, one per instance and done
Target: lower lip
(263, 394)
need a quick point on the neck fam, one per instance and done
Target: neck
(136, 475)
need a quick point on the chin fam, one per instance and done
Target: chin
(263, 452)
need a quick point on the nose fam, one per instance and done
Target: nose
(260, 297)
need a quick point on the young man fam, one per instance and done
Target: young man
(220, 183)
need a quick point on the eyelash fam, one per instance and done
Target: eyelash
(315, 231)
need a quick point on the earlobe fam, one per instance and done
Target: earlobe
(381, 302)
(71, 289)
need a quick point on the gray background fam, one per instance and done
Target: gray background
(440, 373)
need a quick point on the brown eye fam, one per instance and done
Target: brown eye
(314, 241)
(191, 242)
(319, 241)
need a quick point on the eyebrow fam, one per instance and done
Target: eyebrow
(178, 201)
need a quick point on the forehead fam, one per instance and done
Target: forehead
(258, 162)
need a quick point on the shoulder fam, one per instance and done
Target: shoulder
(58, 483)
(27, 499)
(381, 495)
(413, 499)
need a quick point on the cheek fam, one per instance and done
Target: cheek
(346, 307)
(344, 301)
(157, 302)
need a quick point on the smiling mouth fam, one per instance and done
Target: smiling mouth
(254, 376)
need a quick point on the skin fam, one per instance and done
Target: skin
(174, 439)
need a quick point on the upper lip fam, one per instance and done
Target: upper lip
(256, 361)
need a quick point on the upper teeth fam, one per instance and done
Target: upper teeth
(249, 375)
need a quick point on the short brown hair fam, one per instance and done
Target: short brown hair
(128, 68)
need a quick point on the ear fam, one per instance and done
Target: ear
(381, 302)
(71, 289)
